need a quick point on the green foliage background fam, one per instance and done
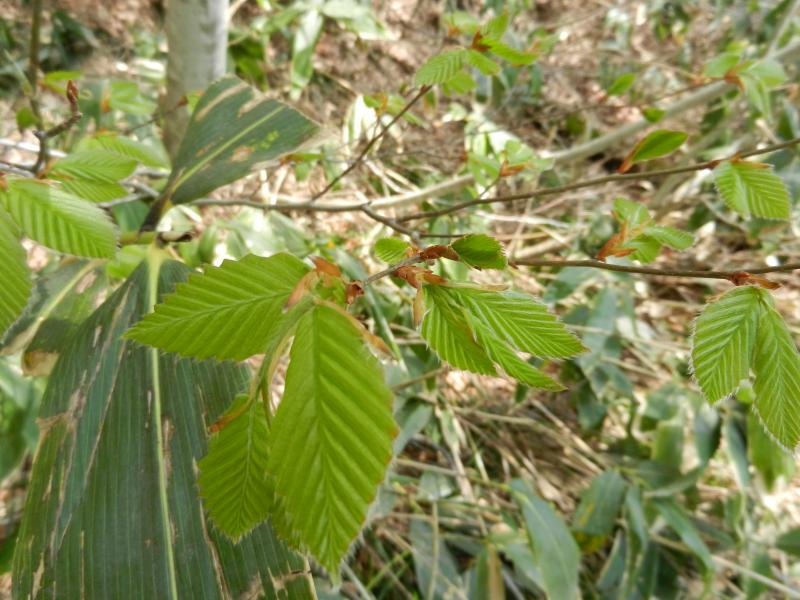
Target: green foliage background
(584, 433)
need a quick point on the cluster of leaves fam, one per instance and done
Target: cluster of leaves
(334, 422)
(638, 237)
(741, 332)
(448, 68)
(313, 467)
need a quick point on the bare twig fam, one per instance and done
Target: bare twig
(390, 223)
(422, 91)
(709, 164)
(686, 273)
(390, 270)
(43, 136)
(702, 96)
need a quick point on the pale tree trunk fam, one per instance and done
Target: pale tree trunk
(197, 36)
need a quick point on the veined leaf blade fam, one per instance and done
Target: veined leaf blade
(59, 220)
(723, 342)
(228, 312)
(331, 438)
(750, 188)
(124, 429)
(233, 475)
(776, 364)
(449, 334)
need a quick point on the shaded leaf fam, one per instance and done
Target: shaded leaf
(233, 129)
(123, 429)
(228, 312)
(554, 549)
(392, 250)
(776, 364)
(723, 342)
(434, 565)
(679, 521)
(600, 504)
(441, 68)
(789, 542)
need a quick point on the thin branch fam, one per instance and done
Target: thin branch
(33, 79)
(686, 273)
(709, 164)
(300, 206)
(390, 223)
(422, 91)
(411, 260)
(43, 136)
(701, 97)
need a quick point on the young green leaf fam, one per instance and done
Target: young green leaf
(520, 320)
(59, 220)
(460, 83)
(600, 504)
(93, 165)
(391, 250)
(776, 364)
(482, 62)
(669, 236)
(233, 475)
(146, 154)
(480, 251)
(723, 341)
(441, 68)
(228, 312)
(752, 188)
(655, 145)
(632, 213)
(621, 84)
(93, 191)
(14, 273)
(449, 334)
(653, 114)
(722, 64)
(331, 439)
(518, 58)
(508, 360)
(496, 27)
(554, 549)
(646, 248)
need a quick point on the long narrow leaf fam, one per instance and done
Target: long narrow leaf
(113, 509)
